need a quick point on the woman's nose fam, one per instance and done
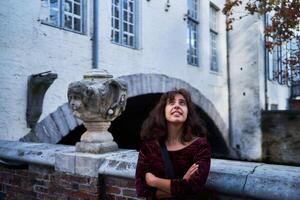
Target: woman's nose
(176, 105)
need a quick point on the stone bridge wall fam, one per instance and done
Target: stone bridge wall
(47, 171)
(281, 138)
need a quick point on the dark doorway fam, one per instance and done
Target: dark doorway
(126, 128)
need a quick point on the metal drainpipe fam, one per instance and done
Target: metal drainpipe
(229, 92)
(265, 68)
(95, 46)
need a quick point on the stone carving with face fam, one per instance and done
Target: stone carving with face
(90, 100)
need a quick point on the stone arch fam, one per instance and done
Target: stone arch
(55, 126)
(62, 127)
(140, 84)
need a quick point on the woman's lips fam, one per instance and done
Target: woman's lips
(176, 112)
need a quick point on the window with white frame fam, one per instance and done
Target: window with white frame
(66, 14)
(213, 38)
(192, 33)
(123, 22)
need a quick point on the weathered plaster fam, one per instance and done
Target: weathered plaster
(245, 88)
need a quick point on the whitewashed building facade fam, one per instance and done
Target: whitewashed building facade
(185, 40)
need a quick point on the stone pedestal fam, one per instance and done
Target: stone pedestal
(97, 100)
(96, 139)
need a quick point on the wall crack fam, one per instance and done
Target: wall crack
(252, 172)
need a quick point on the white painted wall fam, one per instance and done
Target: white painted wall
(28, 47)
(249, 90)
(278, 95)
(162, 49)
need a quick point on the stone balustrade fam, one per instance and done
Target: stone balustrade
(114, 174)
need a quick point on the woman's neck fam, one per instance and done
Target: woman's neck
(175, 132)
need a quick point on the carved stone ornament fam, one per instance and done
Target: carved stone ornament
(97, 100)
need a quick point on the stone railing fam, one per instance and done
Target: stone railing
(50, 171)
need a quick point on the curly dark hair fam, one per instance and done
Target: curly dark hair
(155, 126)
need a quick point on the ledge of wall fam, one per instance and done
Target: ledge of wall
(36, 153)
(234, 178)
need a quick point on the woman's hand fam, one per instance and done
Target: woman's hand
(190, 172)
(150, 179)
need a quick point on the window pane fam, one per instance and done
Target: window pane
(125, 39)
(77, 25)
(116, 37)
(54, 17)
(213, 52)
(77, 1)
(131, 40)
(192, 8)
(116, 24)
(131, 18)
(76, 9)
(125, 16)
(213, 18)
(131, 6)
(130, 28)
(54, 4)
(68, 6)
(192, 42)
(68, 22)
(45, 3)
(116, 12)
(125, 4)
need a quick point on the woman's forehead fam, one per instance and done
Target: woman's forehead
(176, 96)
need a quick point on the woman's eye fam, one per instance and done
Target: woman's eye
(182, 103)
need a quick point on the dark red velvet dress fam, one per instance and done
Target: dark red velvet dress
(150, 160)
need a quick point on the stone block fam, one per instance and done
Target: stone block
(69, 117)
(60, 121)
(65, 162)
(281, 137)
(90, 147)
(51, 130)
(88, 164)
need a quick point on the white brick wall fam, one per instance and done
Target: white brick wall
(28, 47)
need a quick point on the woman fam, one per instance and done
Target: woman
(173, 122)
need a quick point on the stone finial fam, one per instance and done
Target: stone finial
(97, 100)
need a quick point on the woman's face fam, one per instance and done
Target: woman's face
(176, 109)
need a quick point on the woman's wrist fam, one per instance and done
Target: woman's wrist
(154, 181)
(151, 179)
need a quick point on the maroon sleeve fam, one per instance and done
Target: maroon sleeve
(143, 166)
(180, 187)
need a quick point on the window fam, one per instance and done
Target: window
(281, 60)
(192, 33)
(213, 38)
(67, 14)
(123, 22)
